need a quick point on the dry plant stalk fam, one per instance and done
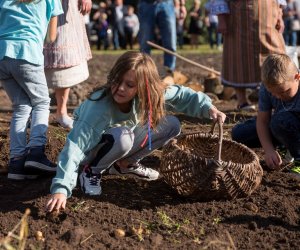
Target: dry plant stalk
(23, 234)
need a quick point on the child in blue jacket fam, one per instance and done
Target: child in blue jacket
(23, 27)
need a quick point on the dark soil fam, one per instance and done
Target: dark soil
(152, 215)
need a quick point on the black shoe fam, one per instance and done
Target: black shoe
(16, 170)
(37, 159)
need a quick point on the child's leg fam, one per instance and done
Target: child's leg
(167, 129)
(285, 127)
(19, 121)
(115, 144)
(245, 133)
(33, 81)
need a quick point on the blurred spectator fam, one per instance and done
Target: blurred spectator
(181, 13)
(131, 26)
(196, 23)
(101, 26)
(116, 11)
(211, 22)
(291, 23)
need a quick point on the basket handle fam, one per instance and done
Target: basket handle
(219, 121)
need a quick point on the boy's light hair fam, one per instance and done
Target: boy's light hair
(278, 69)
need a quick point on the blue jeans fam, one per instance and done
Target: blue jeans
(290, 36)
(284, 127)
(162, 14)
(213, 31)
(26, 86)
(122, 143)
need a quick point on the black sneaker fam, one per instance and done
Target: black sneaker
(89, 182)
(16, 170)
(37, 159)
(135, 170)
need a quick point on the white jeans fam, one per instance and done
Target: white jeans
(122, 143)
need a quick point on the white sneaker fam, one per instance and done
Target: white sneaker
(89, 182)
(135, 170)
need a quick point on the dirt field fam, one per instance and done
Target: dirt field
(152, 215)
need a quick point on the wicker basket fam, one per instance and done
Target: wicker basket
(192, 165)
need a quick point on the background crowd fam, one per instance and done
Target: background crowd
(115, 24)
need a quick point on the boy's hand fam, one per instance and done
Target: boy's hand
(273, 159)
(215, 114)
(56, 202)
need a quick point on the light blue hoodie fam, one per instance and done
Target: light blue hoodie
(93, 118)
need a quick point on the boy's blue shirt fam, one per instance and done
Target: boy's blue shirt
(23, 27)
(93, 118)
(267, 102)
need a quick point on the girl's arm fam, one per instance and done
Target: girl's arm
(185, 100)
(272, 158)
(52, 30)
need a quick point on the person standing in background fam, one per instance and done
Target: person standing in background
(211, 22)
(196, 24)
(116, 12)
(290, 18)
(66, 58)
(251, 31)
(153, 13)
(131, 26)
(181, 13)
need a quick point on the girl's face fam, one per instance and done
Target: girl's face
(124, 92)
(285, 91)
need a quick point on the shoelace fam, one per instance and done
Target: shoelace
(140, 167)
(94, 180)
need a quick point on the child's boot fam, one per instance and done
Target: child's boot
(16, 169)
(37, 159)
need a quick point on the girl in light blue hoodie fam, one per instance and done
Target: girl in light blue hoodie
(121, 123)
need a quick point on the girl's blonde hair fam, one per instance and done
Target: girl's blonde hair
(147, 76)
(278, 69)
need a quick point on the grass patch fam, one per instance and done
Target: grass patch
(202, 49)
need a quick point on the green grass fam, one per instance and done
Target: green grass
(202, 49)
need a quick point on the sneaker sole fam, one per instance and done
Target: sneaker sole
(19, 177)
(40, 166)
(81, 180)
(115, 172)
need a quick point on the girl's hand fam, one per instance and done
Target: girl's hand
(215, 114)
(273, 159)
(223, 23)
(84, 6)
(56, 202)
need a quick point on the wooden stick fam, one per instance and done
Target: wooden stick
(184, 59)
